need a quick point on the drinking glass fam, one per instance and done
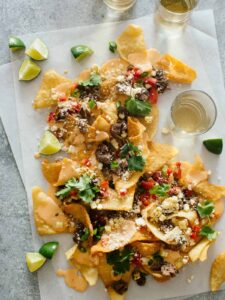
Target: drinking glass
(119, 5)
(193, 112)
(175, 11)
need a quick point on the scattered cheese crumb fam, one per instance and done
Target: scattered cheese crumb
(37, 155)
(165, 131)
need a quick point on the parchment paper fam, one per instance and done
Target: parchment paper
(197, 48)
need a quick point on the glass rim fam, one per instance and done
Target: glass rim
(211, 100)
(176, 13)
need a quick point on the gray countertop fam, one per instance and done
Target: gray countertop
(22, 17)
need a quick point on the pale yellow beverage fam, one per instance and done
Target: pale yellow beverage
(193, 112)
(179, 6)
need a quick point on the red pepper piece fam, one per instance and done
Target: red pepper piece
(51, 117)
(169, 171)
(147, 185)
(76, 107)
(153, 95)
(151, 81)
(73, 193)
(154, 197)
(145, 199)
(123, 192)
(104, 185)
(137, 259)
(86, 162)
(62, 98)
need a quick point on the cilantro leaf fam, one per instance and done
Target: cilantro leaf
(136, 163)
(205, 208)
(160, 190)
(94, 80)
(120, 260)
(129, 148)
(63, 193)
(114, 164)
(208, 232)
(91, 104)
(83, 183)
(112, 46)
(97, 232)
(137, 107)
(86, 235)
(87, 195)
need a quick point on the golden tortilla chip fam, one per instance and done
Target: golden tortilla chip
(84, 259)
(143, 236)
(114, 296)
(210, 191)
(117, 238)
(130, 41)
(69, 169)
(49, 217)
(94, 135)
(73, 279)
(51, 80)
(101, 124)
(154, 56)
(159, 155)
(140, 60)
(90, 274)
(84, 75)
(196, 252)
(217, 276)
(80, 213)
(113, 68)
(51, 170)
(218, 212)
(151, 123)
(176, 70)
(148, 249)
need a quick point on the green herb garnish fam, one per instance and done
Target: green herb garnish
(144, 74)
(112, 46)
(98, 231)
(114, 164)
(136, 163)
(130, 149)
(208, 232)
(205, 208)
(86, 235)
(160, 190)
(91, 104)
(82, 249)
(87, 192)
(120, 260)
(138, 108)
(94, 80)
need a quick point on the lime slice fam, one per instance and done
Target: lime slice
(49, 144)
(15, 43)
(28, 70)
(37, 50)
(34, 261)
(49, 249)
(214, 145)
(81, 51)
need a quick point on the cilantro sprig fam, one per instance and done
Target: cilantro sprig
(205, 208)
(120, 260)
(85, 235)
(160, 190)
(208, 232)
(97, 232)
(135, 160)
(86, 190)
(94, 80)
(137, 107)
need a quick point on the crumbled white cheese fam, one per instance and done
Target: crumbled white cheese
(165, 131)
(174, 235)
(185, 259)
(148, 119)
(120, 78)
(53, 128)
(183, 224)
(144, 261)
(93, 205)
(188, 231)
(186, 207)
(170, 203)
(140, 222)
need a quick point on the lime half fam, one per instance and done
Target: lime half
(37, 50)
(15, 43)
(49, 144)
(81, 51)
(214, 145)
(28, 70)
(49, 249)
(34, 261)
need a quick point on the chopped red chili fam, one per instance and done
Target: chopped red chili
(145, 199)
(104, 185)
(153, 95)
(51, 117)
(62, 98)
(147, 185)
(76, 107)
(137, 259)
(123, 192)
(73, 193)
(86, 162)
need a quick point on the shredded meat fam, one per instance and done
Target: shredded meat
(105, 153)
(169, 270)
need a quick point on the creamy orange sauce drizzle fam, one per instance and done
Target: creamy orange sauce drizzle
(73, 279)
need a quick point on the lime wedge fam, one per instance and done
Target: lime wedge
(214, 145)
(37, 50)
(81, 51)
(49, 144)
(15, 43)
(28, 70)
(49, 249)
(34, 261)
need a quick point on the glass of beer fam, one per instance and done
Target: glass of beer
(193, 112)
(175, 11)
(119, 5)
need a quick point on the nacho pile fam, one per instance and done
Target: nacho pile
(131, 208)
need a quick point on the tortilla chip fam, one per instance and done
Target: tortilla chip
(49, 217)
(160, 154)
(69, 169)
(114, 296)
(130, 41)
(143, 236)
(217, 276)
(73, 279)
(116, 202)
(50, 81)
(84, 75)
(151, 123)
(176, 70)
(90, 274)
(113, 68)
(51, 170)
(147, 249)
(210, 191)
(84, 259)
(69, 253)
(140, 60)
(195, 252)
(80, 213)
(154, 56)
(117, 238)
(218, 212)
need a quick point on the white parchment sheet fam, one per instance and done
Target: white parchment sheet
(198, 47)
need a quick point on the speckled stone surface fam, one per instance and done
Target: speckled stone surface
(20, 17)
